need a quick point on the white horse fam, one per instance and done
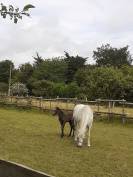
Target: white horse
(83, 119)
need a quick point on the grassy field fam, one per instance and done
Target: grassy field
(32, 138)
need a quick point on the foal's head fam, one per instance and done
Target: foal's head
(57, 111)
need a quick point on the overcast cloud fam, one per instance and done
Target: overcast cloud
(76, 26)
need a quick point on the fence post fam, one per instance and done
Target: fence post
(40, 103)
(123, 112)
(97, 108)
(11, 100)
(66, 104)
(16, 101)
(50, 105)
(57, 101)
(109, 110)
(29, 100)
(75, 101)
(98, 105)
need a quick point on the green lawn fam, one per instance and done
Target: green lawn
(32, 138)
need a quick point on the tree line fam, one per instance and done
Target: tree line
(111, 77)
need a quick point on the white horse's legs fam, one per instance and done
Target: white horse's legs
(89, 129)
(80, 142)
(76, 132)
(76, 137)
(80, 139)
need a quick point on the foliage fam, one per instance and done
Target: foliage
(50, 69)
(105, 82)
(70, 76)
(109, 56)
(5, 69)
(15, 13)
(50, 89)
(37, 60)
(66, 90)
(42, 88)
(72, 90)
(3, 87)
(128, 82)
(19, 89)
(23, 73)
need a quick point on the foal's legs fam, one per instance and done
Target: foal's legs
(71, 128)
(73, 131)
(62, 130)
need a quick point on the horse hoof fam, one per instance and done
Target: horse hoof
(75, 139)
(79, 144)
(89, 145)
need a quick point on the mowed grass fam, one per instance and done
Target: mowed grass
(33, 139)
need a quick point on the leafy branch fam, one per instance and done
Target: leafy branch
(15, 13)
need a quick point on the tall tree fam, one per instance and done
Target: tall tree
(5, 70)
(37, 60)
(50, 69)
(24, 73)
(73, 65)
(109, 56)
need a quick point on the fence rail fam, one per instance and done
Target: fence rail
(110, 108)
(11, 169)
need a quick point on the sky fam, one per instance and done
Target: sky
(75, 26)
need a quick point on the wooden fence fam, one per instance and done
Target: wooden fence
(111, 108)
(11, 169)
